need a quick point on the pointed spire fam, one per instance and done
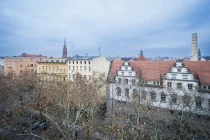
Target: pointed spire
(64, 42)
(141, 52)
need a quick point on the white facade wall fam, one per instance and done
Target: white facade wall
(170, 92)
(101, 64)
(87, 67)
(1, 61)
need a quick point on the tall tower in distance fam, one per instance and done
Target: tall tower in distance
(64, 49)
(194, 56)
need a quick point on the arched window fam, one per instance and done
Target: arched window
(118, 91)
(127, 92)
(153, 95)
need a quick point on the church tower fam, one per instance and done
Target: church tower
(194, 56)
(64, 49)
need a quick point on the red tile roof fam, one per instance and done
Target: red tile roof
(201, 69)
(154, 70)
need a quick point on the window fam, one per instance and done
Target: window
(209, 87)
(85, 62)
(190, 86)
(122, 73)
(85, 68)
(127, 92)
(80, 62)
(163, 97)
(198, 102)
(179, 85)
(119, 80)
(77, 68)
(126, 68)
(64, 78)
(153, 96)
(130, 73)
(21, 59)
(73, 62)
(118, 91)
(21, 71)
(69, 76)
(77, 62)
(69, 67)
(135, 93)
(89, 68)
(173, 99)
(154, 83)
(179, 70)
(89, 62)
(80, 67)
(173, 76)
(143, 95)
(204, 87)
(169, 84)
(126, 81)
(69, 62)
(73, 68)
(184, 76)
(133, 81)
(21, 65)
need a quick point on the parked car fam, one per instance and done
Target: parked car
(42, 124)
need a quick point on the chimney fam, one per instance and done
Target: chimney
(194, 56)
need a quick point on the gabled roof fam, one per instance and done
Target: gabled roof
(148, 70)
(154, 70)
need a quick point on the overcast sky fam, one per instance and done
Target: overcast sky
(120, 27)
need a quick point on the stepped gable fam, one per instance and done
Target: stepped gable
(148, 70)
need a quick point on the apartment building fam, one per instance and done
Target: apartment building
(18, 65)
(87, 65)
(52, 69)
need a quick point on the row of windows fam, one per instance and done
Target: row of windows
(77, 68)
(179, 85)
(49, 70)
(163, 97)
(28, 70)
(133, 81)
(84, 76)
(81, 62)
(123, 73)
(30, 65)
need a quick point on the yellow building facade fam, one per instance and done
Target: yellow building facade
(52, 69)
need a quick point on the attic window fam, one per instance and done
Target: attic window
(126, 68)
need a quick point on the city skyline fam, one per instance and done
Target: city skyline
(159, 28)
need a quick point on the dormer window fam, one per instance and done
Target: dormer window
(179, 70)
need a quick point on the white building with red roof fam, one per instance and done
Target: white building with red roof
(167, 84)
